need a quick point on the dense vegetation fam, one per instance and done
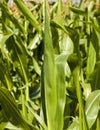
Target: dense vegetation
(50, 65)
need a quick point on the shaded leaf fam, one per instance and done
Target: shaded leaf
(19, 56)
(38, 118)
(77, 10)
(11, 110)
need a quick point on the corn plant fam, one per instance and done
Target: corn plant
(49, 65)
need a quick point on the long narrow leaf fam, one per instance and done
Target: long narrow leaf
(11, 110)
(91, 59)
(92, 102)
(5, 76)
(39, 119)
(49, 73)
(61, 90)
(27, 13)
(19, 58)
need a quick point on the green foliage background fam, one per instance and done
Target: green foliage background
(50, 65)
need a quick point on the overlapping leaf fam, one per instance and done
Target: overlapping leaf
(92, 107)
(11, 110)
(49, 73)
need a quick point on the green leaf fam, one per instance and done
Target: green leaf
(91, 59)
(67, 45)
(55, 40)
(5, 76)
(12, 127)
(2, 125)
(18, 54)
(49, 73)
(61, 90)
(92, 107)
(57, 24)
(74, 125)
(38, 118)
(3, 47)
(7, 17)
(33, 42)
(36, 66)
(11, 110)
(94, 77)
(27, 13)
(77, 10)
(93, 53)
(15, 22)
(82, 118)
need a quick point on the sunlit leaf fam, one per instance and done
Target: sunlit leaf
(92, 107)
(49, 72)
(27, 13)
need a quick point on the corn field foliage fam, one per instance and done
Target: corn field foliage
(49, 65)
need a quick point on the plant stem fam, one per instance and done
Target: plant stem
(82, 118)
